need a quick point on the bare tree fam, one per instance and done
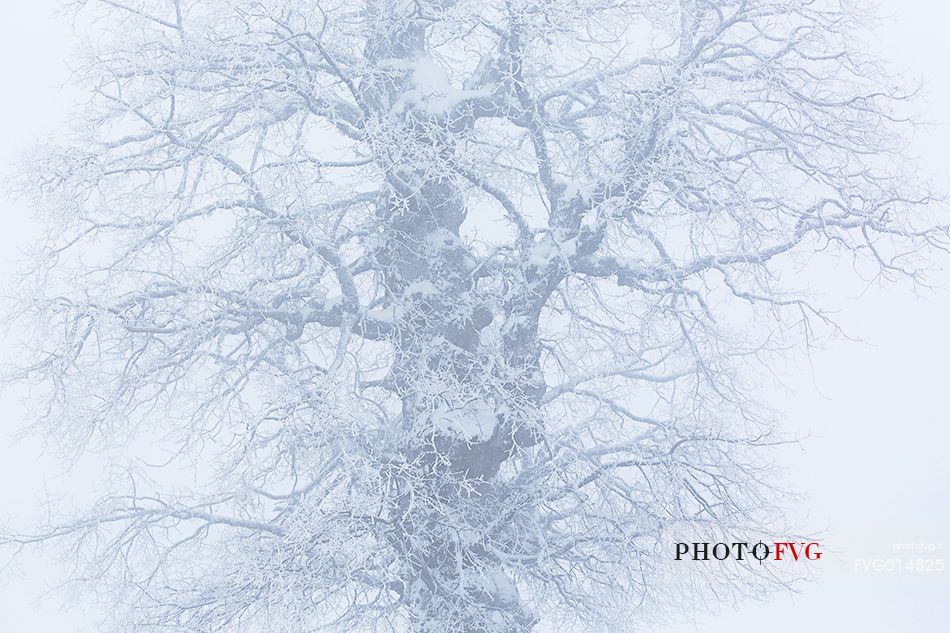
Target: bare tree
(446, 309)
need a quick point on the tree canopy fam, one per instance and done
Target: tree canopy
(445, 311)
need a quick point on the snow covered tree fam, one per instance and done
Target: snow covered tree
(441, 316)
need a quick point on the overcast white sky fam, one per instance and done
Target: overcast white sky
(876, 470)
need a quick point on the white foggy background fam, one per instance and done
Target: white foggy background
(875, 469)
